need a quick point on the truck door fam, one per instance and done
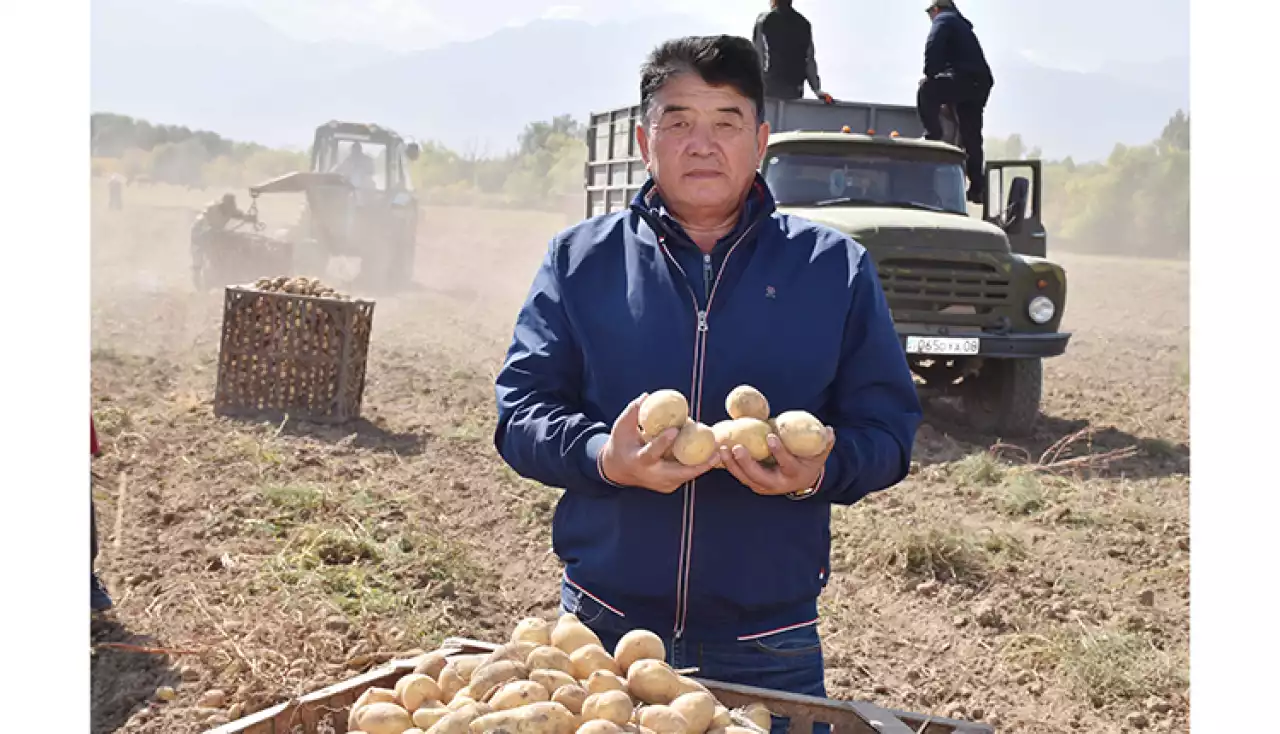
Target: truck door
(1013, 204)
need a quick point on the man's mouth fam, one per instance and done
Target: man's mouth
(703, 174)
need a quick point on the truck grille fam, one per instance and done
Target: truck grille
(959, 293)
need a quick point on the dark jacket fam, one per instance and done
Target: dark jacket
(625, 303)
(784, 40)
(953, 48)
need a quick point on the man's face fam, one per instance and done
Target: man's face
(701, 144)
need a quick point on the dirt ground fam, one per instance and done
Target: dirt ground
(1041, 591)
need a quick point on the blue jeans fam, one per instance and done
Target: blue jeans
(788, 661)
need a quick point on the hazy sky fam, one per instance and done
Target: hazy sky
(1080, 35)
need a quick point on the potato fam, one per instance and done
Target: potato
(614, 706)
(741, 730)
(664, 720)
(431, 664)
(802, 434)
(517, 651)
(466, 665)
(550, 658)
(604, 680)
(638, 644)
(758, 714)
(459, 722)
(653, 681)
(532, 629)
(590, 658)
(383, 718)
(370, 695)
(744, 401)
(460, 701)
(415, 689)
(552, 680)
(519, 693)
(425, 718)
(695, 444)
(721, 718)
(661, 410)
(450, 682)
(599, 726)
(697, 708)
(689, 685)
(414, 730)
(493, 675)
(570, 633)
(536, 718)
(571, 697)
(751, 433)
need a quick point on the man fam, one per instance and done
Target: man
(702, 286)
(215, 218)
(358, 167)
(99, 600)
(956, 74)
(784, 42)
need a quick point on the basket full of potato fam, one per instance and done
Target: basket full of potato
(552, 678)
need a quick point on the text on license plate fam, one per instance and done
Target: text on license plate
(942, 345)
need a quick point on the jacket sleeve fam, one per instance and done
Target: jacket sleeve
(761, 43)
(935, 47)
(542, 432)
(811, 69)
(876, 407)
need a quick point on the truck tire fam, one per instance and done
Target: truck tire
(1004, 397)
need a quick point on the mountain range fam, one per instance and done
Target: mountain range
(224, 69)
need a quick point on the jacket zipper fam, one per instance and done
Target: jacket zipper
(711, 281)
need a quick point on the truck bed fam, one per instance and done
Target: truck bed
(615, 171)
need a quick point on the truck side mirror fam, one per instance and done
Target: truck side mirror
(1016, 209)
(411, 150)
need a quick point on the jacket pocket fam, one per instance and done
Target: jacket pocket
(798, 642)
(574, 600)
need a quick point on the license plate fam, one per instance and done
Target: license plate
(942, 345)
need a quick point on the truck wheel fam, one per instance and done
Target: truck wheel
(1004, 397)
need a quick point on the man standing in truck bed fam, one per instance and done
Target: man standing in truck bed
(784, 40)
(702, 285)
(956, 74)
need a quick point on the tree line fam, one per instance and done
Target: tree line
(1136, 202)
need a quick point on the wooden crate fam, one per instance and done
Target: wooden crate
(326, 710)
(300, 356)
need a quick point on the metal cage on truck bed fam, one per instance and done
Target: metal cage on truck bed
(326, 710)
(615, 170)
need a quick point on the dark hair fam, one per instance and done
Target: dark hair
(718, 60)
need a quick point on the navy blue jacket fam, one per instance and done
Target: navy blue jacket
(625, 303)
(953, 47)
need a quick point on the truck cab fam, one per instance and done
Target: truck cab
(975, 301)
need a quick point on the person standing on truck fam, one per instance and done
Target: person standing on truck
(784, 41)
(956, 74)
(701, 286)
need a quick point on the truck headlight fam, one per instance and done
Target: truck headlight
(1041, 309)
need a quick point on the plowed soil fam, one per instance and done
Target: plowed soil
(1041, 587)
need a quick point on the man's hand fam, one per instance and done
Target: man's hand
(792, 474)
(826, 98)
(627, 460)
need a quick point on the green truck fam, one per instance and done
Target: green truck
(976, 303)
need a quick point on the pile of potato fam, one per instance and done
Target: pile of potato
(299, 286)
(552, 678)
(749, 425)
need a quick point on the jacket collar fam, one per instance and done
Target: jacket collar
(648, 203)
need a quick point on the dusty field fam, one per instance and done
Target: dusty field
(272, 560)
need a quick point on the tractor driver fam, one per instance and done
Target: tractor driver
(358, 167)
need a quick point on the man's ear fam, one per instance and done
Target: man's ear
(642, 140)
(762, 140)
